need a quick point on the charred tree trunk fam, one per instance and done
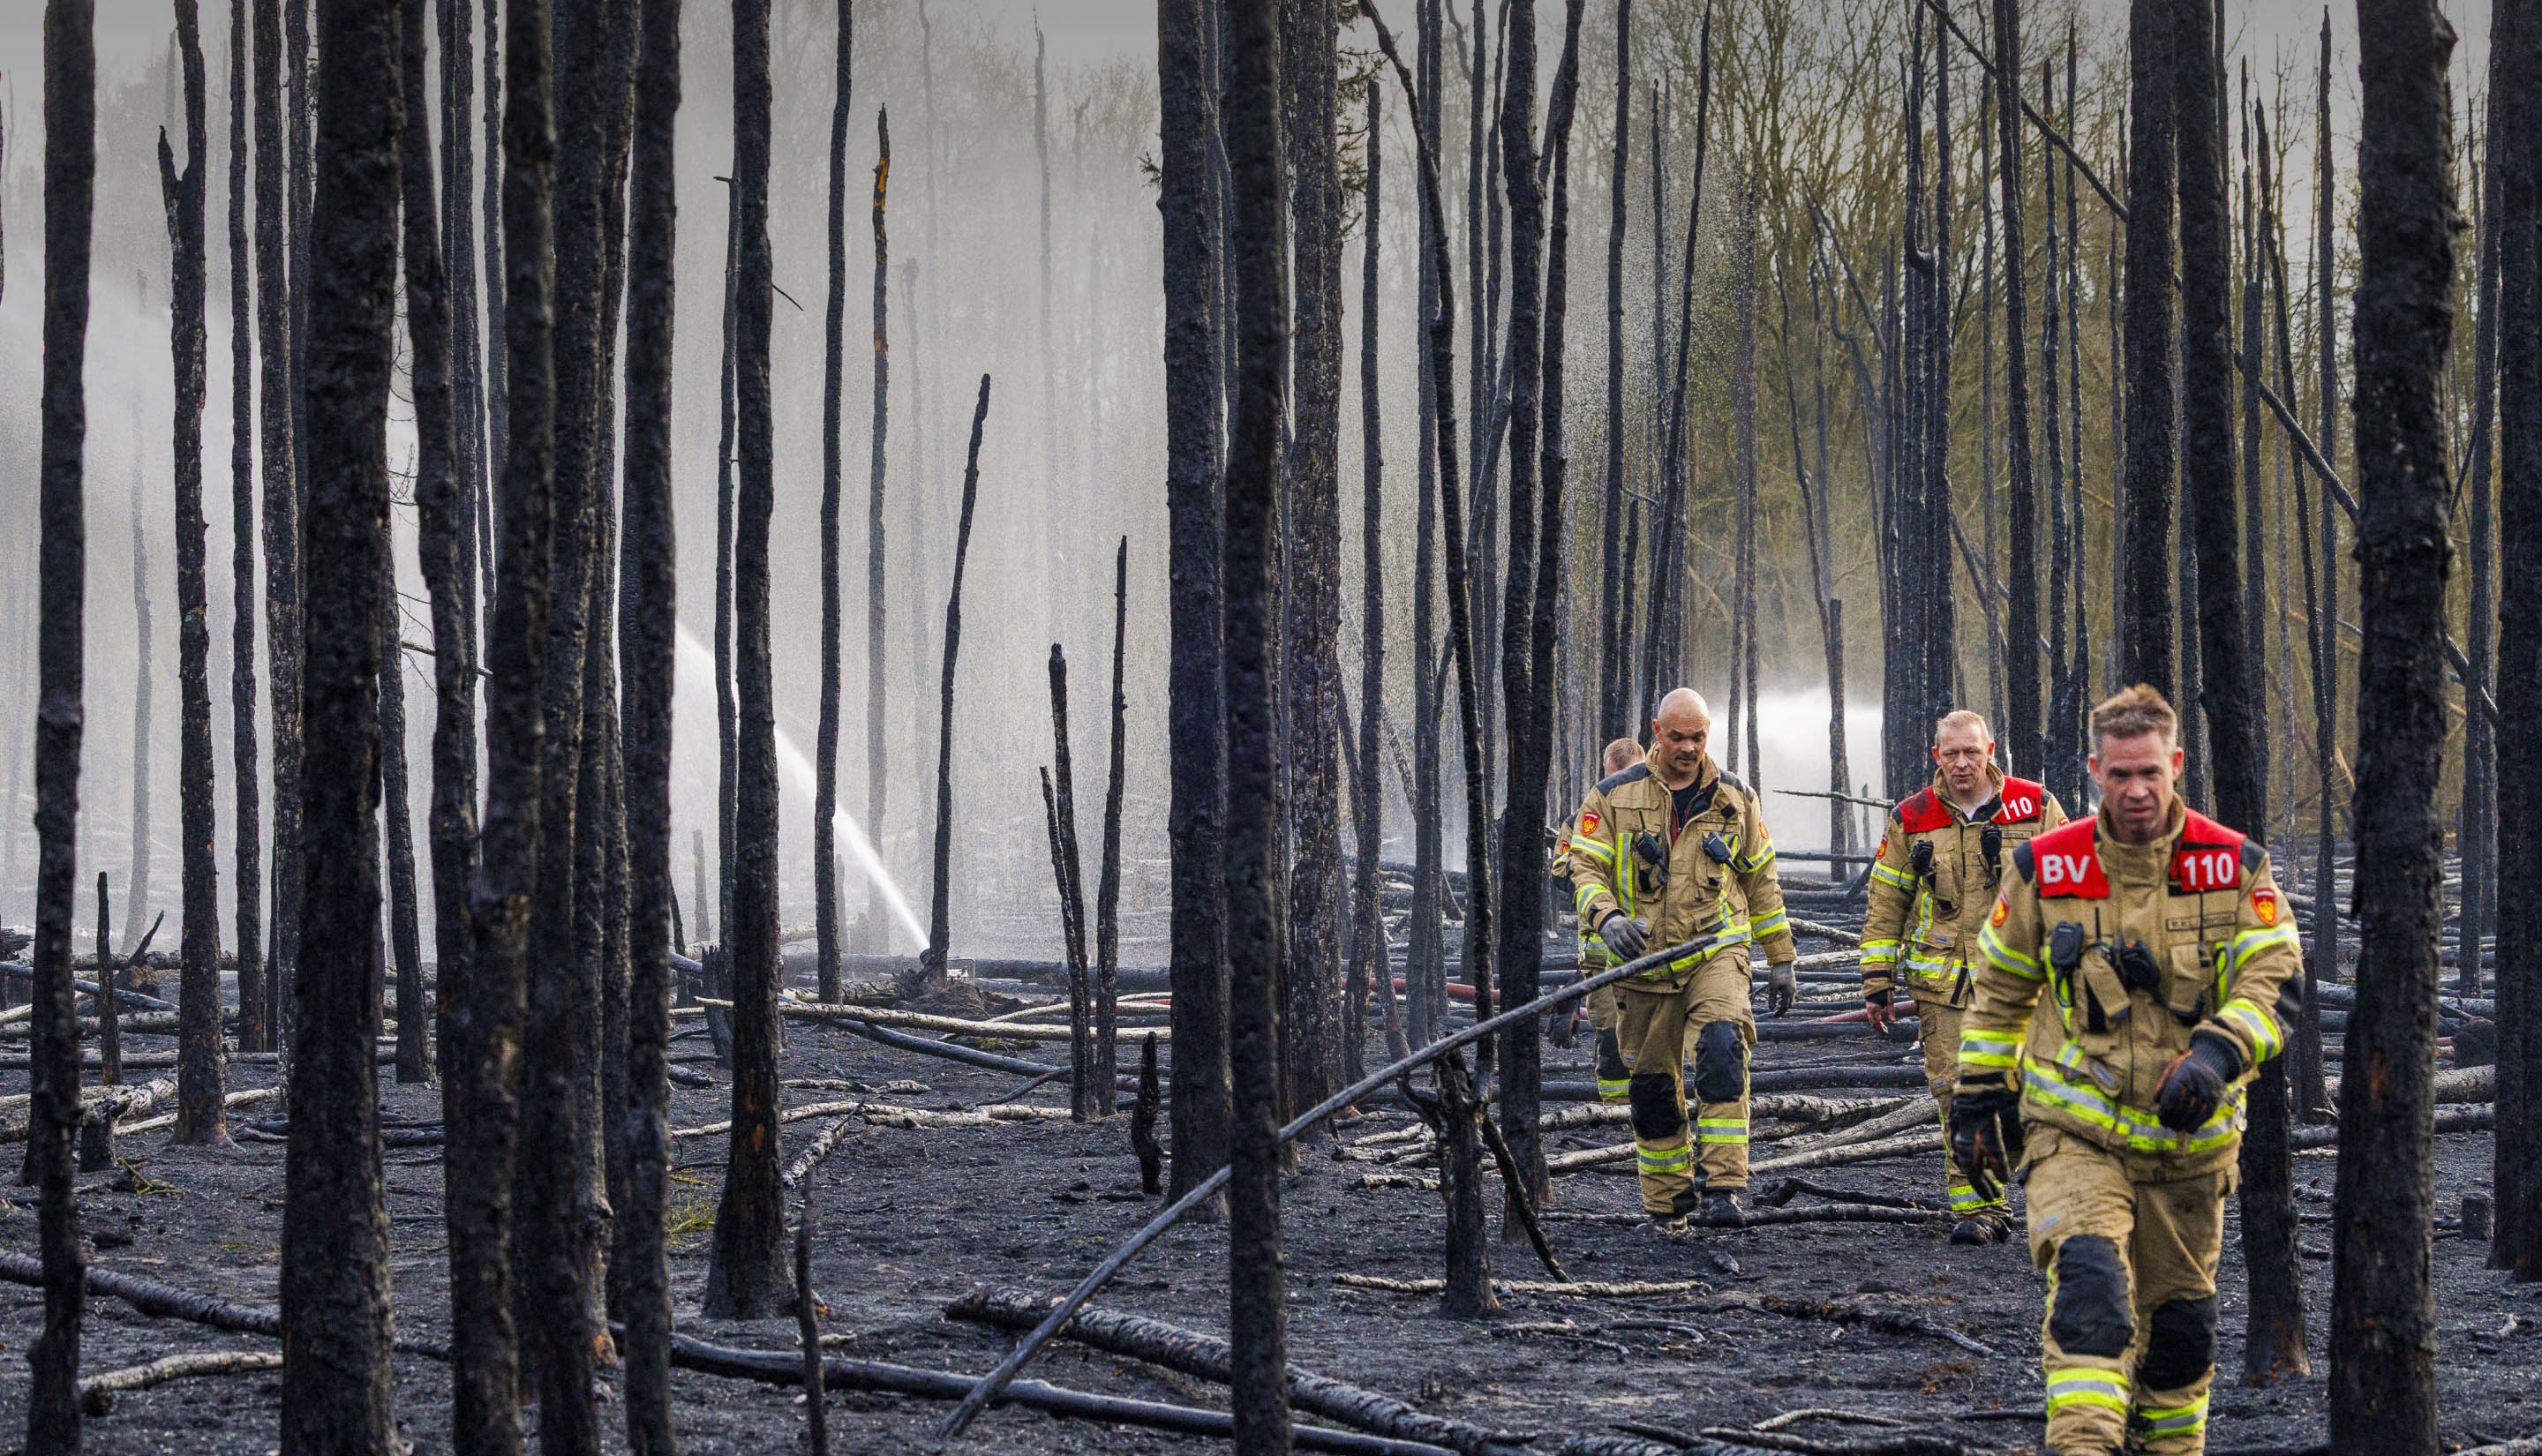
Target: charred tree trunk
(1663, 639)
(1059, 806)
(647, 644)
(70, 174)
(2255, 562)
(2515, 44)
(1424, 968)
(825, 752)
(199, 1062)
(275, 333)
(465, 367)
(444, 523)
(1615, 714)
(940, 920)
(2382, 1338)
(1521, 861)
(1187, 93)
(1107, 893)
(1375, 973)
(1533, 619)
(2059, 746)
(497, 309)
(1256, 236)
(397, 822)
(1309, 598)
(1941, 634)
(727, 709)
(2021, 502)
(2477, 834)
(110, 1040)
(746, 1269)
(247, 879)
(876, 678)
(335, 1212)
(488, 1011)
(2144, 633)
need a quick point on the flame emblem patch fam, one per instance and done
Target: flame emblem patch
(2263, 904)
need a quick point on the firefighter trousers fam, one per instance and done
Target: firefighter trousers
(1937, 1024)
(2129, 1343)
(1707, 1013)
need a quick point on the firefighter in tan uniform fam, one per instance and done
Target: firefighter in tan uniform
(2172, 963)
(1939, 860)
(1665, 851)
(1615, 1072)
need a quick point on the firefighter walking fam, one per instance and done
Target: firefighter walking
(2173, 966)
(1665, 851)
(1941, 857)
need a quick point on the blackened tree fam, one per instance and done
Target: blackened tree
(70, 177)
(2382, 1336)
(335, 1212)
(198, 994)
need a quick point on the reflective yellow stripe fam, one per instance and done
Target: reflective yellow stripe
(1666, 1160)
(1751, 867)
(1879, 953)
(1965, 1199)
(1596, 849)
(2049, 1084)
(2258, 1025)
(1930, 966)
(1582, 898)
(2086, 1387)
(1614, 1091)
(1771, 924)
(2004, 958)
(1887, 876)
(1980, 1047)
(1733, 936)
(1723, 1129)
(2251, 942)
(2171, 1419)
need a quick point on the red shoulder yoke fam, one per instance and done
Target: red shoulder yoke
(2068, 862)
(1923, 811)
(2206, 856)
(2020, 802)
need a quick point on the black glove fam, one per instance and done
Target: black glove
(1625, 937)
(2194, 1084)
(1782, 987)
(1986, 1137)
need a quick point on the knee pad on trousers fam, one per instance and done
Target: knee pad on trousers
(1720, 1063)
(1654, 1101)
(2090, 1314)
(1612, 1067)
(2180, 1348)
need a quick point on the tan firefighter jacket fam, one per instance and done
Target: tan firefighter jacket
(1935, 879)
(1716, 873)
(2223, 956)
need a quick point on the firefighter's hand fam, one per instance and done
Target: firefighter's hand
(1986, 1137)
(1874, 1009)
(1782, 985)
(2193, 1086)
(1626, 938)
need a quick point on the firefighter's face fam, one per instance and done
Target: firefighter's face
(1962, 751)
(1680, 733)
(2136, 776)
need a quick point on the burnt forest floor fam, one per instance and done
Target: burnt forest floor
(911, 1217)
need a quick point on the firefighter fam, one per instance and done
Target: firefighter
(1666, 852)
(1939, 860)
(2171, 962)
(1614, 1070)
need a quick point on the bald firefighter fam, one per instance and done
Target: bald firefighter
(1930, 888)
(1665, 851)
(2161, 939)
(1605, 1015)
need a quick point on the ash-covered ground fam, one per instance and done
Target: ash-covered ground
(910, 1218)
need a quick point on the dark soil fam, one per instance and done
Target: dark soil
(910, 1218)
